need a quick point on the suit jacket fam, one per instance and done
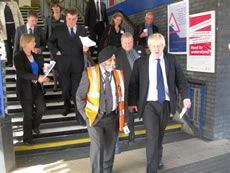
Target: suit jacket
(139, 82)
(138, 30)
(71, 58)
(81, 95)
(91, 14)
(39, 38)
(25, 75)
(17, 16)
(122, 63)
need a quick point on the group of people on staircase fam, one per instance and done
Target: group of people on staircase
(134, 77)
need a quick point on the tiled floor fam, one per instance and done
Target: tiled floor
(179, 157)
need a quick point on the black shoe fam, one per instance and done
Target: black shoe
(65, 112)
(36, 131)
(160, 165)
(28, 143)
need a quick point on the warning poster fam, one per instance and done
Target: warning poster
(177, 27)
(201, 43)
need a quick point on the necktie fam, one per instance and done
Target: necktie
(160, 83)
(31, 31)
(72, 33)
(98, 12)
(108, 94)
(132, 57)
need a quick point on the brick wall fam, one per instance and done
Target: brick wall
(217, 95)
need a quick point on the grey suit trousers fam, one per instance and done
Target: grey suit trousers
(102, 146)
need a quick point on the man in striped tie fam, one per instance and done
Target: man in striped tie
(127, 54)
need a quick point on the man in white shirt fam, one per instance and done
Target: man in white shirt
(152, 93)
(100, 100)
(96, 19)
(30, 28)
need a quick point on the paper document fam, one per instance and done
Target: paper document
(183, 112)
(51, 66)
(86, 41)
(126, 130)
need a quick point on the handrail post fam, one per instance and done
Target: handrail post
(202, 90)
(2, 93)
(190, 110)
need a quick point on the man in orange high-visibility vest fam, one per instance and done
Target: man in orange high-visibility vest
(100, 100)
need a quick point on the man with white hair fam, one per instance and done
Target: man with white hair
(127, 54)
(100, 100)
(145, 29)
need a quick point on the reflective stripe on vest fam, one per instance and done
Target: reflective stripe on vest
(119, 77)
(93, 96)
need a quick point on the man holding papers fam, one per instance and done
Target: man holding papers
(152, 93)
(68, 48)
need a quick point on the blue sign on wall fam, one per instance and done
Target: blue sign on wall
(134, 6)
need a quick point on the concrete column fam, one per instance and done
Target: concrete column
(7, 154)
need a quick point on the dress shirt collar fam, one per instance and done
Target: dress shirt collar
(103, 71)
(28, 28)
(153, 57)
(74, 29)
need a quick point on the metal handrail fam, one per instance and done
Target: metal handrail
(197, 97)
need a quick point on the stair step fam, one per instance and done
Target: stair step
(77, 141)
(17, 119)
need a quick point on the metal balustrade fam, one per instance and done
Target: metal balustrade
(196, 112)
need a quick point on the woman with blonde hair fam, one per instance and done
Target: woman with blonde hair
(113, 32)
(29, 70)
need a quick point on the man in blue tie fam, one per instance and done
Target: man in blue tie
(152, 93)
(67, 48)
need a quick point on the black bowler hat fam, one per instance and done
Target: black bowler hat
(106, 53)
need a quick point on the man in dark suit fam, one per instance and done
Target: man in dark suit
(144, 30)
(30, 28)
(66, 45)
(100, 100)
(152, 93)
(96, 19)
(127, 54)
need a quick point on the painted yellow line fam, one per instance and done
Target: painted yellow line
(80, 141)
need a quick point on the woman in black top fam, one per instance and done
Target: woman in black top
(29, 69)
(113, 32)
(52, 21)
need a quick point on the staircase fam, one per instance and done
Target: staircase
(57, 132)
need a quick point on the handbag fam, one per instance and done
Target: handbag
(106, 41)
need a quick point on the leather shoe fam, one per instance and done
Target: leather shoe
(65, 112)
(36, 131)
(28, 143)
(160, 165)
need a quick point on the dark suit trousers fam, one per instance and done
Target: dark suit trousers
(31, 118)
(102, 146)
(155, 118)
(69, 83)
(96, 33)
(10, 29)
